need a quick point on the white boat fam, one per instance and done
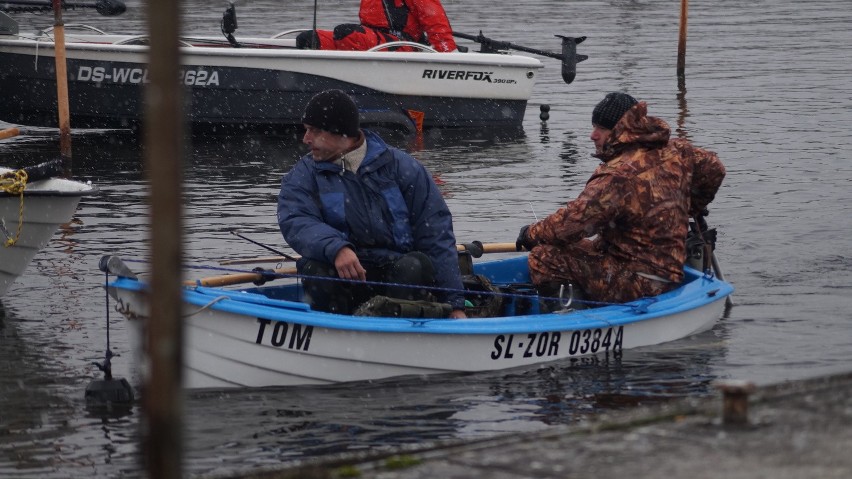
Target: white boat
(266, 336)
(267, 82)
(30, 223)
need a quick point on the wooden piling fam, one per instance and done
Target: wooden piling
(735, 401)
(681, 45)
(62, 87)
(164, 159)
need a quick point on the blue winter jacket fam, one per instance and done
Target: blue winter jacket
(389, 208)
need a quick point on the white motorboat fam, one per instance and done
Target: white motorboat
(29, 219)
(266, 82)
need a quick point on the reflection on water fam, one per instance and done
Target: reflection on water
(293, 423)
(765, 90)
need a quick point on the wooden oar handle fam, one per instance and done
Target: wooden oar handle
(237, 278)
(492, 247)
(9, 133)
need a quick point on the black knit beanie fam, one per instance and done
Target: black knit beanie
(611, 108)
(333, 111)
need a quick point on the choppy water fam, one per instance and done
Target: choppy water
(767, 87)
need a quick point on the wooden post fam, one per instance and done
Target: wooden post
(164, 158)
(735, 401)
(681, 44)
(62, 86)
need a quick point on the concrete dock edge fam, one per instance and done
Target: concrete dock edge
(795, 429)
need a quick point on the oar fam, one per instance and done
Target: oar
(715, 263)
(476, 249)
(9, 133)
(700, 225)
(236, 278)
(285, 255)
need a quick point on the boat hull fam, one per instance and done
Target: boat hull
(241, 339)
(47, 205)
(265, 87)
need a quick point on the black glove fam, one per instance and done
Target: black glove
(524, 241)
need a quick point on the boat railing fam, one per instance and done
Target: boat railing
(287, 32)
(143, 40)
(73, 26)
(377, 48)
(397, 44)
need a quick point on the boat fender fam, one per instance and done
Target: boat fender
(114, 265)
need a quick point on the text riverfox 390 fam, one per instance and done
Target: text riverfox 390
(461, 75)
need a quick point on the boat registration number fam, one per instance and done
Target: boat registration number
(540, 345)
(198, 77)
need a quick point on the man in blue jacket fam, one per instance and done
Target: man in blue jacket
(359, 210)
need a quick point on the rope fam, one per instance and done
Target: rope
(206, 306)
(269, 275)
(639, 306)
(14, 183)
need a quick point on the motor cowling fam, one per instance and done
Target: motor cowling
(570, 59)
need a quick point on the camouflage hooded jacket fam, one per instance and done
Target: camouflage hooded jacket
(639, 200)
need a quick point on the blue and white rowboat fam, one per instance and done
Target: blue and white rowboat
(265, 336)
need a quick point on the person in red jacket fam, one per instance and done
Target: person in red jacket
(383, 21)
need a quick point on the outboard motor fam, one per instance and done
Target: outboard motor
(229, 25)
(570, 57)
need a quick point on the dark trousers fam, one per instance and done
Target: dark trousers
(325, 291)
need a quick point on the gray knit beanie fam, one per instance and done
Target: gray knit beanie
(333, 111)
(611, 109)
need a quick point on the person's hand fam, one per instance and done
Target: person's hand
(348, 266)
(524, 241)
(458, 314)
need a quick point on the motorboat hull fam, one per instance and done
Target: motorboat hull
(265, 86)
(48, 204)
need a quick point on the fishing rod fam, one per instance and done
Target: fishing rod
(315, 36)
(569, 56)
(107, 8)
(285, 255)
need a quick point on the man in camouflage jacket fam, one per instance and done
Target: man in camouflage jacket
(624, 237)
